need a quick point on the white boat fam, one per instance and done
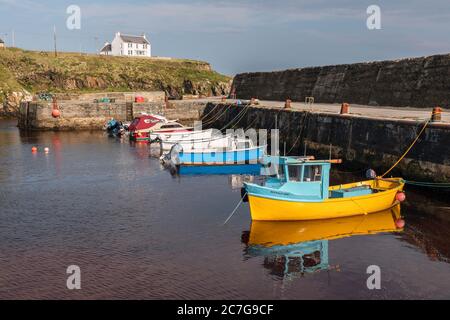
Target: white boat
(144, 125)
(176, 136)
(199, 144)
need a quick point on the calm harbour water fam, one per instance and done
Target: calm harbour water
(138, 233)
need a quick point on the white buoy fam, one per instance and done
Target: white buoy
(46, 149)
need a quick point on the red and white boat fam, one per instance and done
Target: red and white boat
(145, 126)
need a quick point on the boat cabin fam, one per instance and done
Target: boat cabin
(145, 122)
(307, 178)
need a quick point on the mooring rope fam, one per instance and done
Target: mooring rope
(407, 150)
(428, 184)
(239, 120)
(202, 118)
(234, 210)
(217, 117)
(301, 131)
(251, 124)
(240, 112)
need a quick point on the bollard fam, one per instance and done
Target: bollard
(345, 108)
(287, 104)
(166, 102)
(224, 99)
(436, 114)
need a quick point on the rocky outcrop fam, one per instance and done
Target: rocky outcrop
(75, 73)
(11, 103)
(416, 82)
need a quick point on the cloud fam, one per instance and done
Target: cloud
(212, 16)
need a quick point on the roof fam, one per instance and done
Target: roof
(134, 39)
(1, 41)
(106, 47)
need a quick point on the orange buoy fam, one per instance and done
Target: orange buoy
(400, 196)
(400, 223)
(56, 113)
(34, 149)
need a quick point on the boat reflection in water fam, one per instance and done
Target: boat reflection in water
(293, 248)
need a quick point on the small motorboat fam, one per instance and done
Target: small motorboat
(144, 126)
(300, 191)
(115, 128)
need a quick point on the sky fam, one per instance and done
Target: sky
(239, 35)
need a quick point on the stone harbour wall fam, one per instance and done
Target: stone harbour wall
(414, 82)
(93, 116)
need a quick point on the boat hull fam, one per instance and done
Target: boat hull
(217, 157)
(269, 209)
(251, 169)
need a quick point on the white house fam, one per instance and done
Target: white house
(2, 44)
(128, 45)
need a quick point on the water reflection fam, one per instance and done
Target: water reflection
(301, 247)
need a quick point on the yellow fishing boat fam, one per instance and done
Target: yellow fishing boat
(301, 191)
(282, 233)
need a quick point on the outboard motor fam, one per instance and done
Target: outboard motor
(114, 128)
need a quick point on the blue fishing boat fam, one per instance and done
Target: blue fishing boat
(241, 157)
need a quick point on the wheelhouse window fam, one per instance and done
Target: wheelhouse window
(167, 126)
(312, 173)
(295, 173)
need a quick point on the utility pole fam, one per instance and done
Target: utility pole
(54, 39)
(97, 50)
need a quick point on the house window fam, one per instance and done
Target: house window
(144, 46)
(137, 46)
(130, 52)
(130, 45)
